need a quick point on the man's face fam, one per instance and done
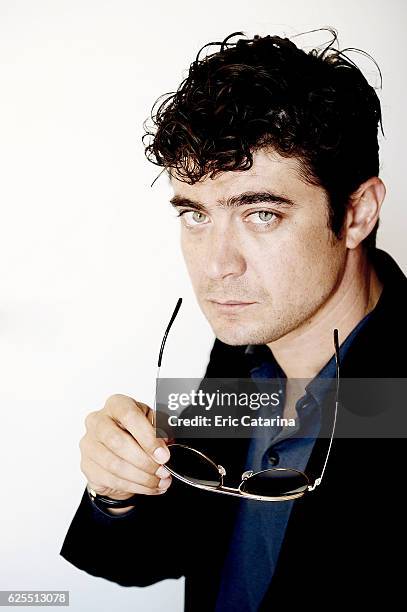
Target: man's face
(258, 238)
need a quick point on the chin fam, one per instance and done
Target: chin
(239, 335)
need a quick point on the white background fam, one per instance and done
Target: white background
(90, 266)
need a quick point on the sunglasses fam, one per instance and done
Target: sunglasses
(193, 467)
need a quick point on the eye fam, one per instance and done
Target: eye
(193, 217)
(261, 217)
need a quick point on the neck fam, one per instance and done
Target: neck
(304, 351)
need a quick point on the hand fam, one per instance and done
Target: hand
(120, 454)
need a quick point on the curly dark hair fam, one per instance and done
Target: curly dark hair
(263, 92)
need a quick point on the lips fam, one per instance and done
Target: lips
(229, 306)
(231, 302)
(234, 303)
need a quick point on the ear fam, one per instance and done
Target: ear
(363, 210)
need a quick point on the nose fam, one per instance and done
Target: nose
(224, 257)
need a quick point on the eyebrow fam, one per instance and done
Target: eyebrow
(242, 199)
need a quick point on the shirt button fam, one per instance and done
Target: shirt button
(272, 457)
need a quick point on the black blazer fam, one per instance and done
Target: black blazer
(344, 542)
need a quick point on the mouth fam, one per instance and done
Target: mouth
(230, 305)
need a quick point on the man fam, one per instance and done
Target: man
(272, 154)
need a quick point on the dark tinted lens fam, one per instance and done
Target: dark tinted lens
(190, 464)
(276, 483)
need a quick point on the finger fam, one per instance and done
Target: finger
(102, 478)
(121, 443)
(120, 467)
(132, 415)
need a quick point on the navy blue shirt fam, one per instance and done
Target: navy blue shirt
(260, 526)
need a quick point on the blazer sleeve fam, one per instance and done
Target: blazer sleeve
(137, 548)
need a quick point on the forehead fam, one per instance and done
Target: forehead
(269, 171)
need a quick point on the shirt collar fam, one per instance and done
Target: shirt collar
(262, 363)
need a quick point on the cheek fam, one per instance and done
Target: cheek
(193, 258)
(301, 262)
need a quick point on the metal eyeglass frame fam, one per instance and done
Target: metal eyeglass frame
(238, 492)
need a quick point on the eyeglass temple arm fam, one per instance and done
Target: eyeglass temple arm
(337, 360)
(174, 314)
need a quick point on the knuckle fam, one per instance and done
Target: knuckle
(145, 467)
(113, 441)
(148, 469)
(84, 467)
(154, 483)
(114, 400)
(114, 465)
(99, 429)
(89, 419)
(83, 443)
(127, 415)
(126, 487)
(148, 480)
(149, 464)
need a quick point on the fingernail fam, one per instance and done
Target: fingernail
(161, 454)
(165, 483)
(162, 472)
